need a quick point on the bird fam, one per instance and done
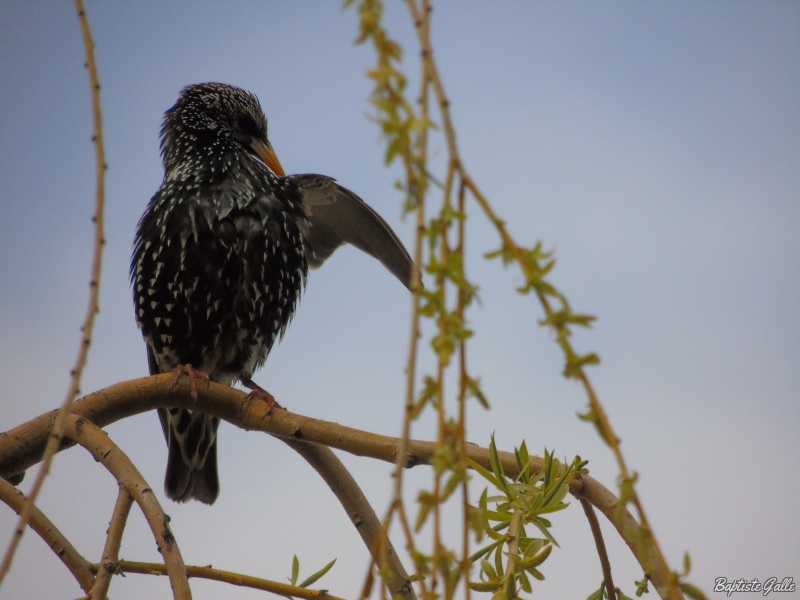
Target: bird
(221, 257)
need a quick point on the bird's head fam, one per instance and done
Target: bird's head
(209, 124)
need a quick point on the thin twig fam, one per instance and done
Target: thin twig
(145, 568)
(22, 446)
(466, 563)
(77, 565)
(116, 527)
(97, 442)
(358, 508)
(611, 592)
(94, 286)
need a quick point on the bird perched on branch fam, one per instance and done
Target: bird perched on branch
(221, 256)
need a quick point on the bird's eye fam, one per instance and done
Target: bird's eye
(248, 126)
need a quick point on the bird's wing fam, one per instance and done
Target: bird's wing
(337, 216)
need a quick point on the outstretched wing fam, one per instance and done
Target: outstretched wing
(337, 216)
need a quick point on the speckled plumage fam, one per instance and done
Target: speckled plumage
(221, 256)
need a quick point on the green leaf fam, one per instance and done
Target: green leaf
(487, 569)
(536, 574)
(295, 569)
(548, 467)
(525, 583)
(497, 467)
(119, 567)
(425, 500)
(597, 594)
(484, 551)
(692, 591)
(452, 483)
(312, 578)
(483, 473)
(641, 586)
(537, 522)
(498, 559)
(474, 391)
(532, 546)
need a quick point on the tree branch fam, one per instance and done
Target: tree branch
(116, 527)
(80, 568)
(144, 568)
(363, 517)
(94, 287)
(611, 592)
(97, 442)
(22, 446)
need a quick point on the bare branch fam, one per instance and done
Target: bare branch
(113, 541)
(266, 585)
(80, 568)
(363, 517)
(601, 548)
(94, 285)
(97, 442)
(21, 447)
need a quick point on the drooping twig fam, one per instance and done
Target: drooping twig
(611, 592)
(58, 543)
(145, 568)
(357, 507)
(602, 421)
(22, 446)
(106, 452)
(94, 286)
(116, 527)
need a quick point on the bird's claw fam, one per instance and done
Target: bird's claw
(193, 375)
(259, 393)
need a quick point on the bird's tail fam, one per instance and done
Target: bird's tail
(192, 461)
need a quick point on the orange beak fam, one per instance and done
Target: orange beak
(267, 154)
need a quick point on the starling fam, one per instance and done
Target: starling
(221, 256)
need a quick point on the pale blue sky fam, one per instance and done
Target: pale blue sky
(655, 146)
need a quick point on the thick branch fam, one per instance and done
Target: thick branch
(275, 587)
(113, 541)
(355, 504)
(106, 452)
(80, 568)
(22, 446)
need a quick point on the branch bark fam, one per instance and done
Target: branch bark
(358, 508)
(611, 592)
(106, 452)
(145, 568)
(80, 568)
(22, 446)
(116, 527)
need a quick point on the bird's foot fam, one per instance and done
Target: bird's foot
(194, 375)
(259, 393)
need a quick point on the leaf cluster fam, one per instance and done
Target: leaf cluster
(512, 556)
